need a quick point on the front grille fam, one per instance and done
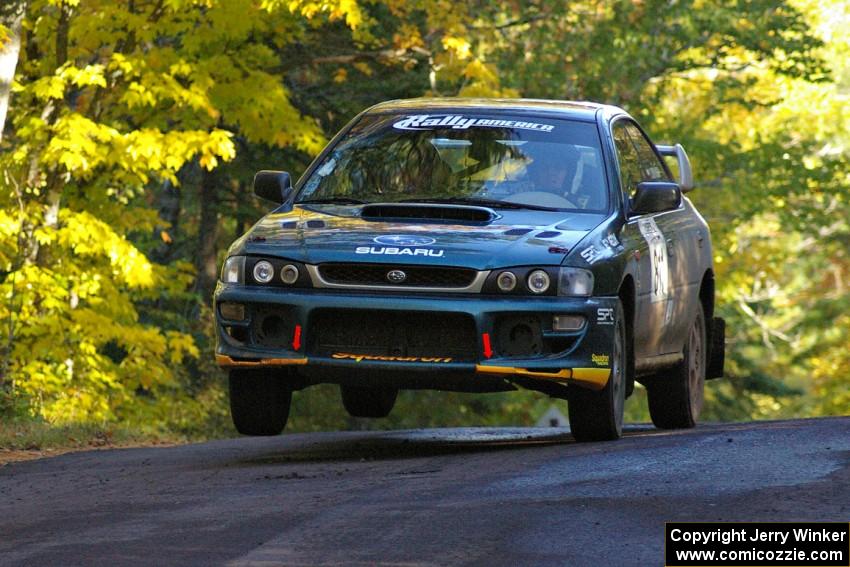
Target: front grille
(391, 333)
(416, 276)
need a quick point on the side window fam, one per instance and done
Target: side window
(627, 157)
(651, 168)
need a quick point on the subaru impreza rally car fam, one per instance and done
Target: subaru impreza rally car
(476, 246)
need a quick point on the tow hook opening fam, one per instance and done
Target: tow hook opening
(274, 329)
(519, 336)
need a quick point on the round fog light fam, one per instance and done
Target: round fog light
(289, 274)
(506, 281)
(263, 271)
(538, 281)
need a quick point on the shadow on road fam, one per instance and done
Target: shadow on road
(387, 445)
(384, 445)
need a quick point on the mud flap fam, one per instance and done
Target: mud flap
(717, 354)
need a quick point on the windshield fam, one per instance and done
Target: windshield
(506, 161)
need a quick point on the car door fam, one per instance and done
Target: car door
(641, 235)
(667, 234)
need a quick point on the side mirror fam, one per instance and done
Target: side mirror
(274, 186)
(686, 176)
(656, 196)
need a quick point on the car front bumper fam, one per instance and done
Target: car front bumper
(579, 357)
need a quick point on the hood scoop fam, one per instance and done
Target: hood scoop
(437, 213)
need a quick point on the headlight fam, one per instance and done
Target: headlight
(289, 274)
(575, 282)
(233, 270)
(506, 281)
(538, 281)
(263, 271)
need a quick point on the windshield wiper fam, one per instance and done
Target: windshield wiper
(494, 203)
(331, 201)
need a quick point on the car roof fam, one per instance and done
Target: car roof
(577, 110)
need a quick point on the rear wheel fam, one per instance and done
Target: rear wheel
(676, 397)
(368, 402)
(598, 415)
(259, 401)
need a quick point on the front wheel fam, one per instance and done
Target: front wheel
(676, 397)
(259, 401)
(598, 416)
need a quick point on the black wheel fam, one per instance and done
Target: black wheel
(598, 415)
(675, 397)
(259, 401)
(368, 402)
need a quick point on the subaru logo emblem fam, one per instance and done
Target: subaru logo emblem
(404, 240)
(396, 276)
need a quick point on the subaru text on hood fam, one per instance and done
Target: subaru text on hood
(476, 246)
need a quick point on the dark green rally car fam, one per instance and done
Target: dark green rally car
(476, 246)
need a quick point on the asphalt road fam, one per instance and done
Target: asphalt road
(430, 497)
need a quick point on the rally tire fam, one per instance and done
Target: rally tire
(676, 397)
(259, 401)
(598, 415)
(368, 402)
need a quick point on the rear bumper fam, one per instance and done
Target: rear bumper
(584, 359)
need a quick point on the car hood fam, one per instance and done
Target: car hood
(331, 233)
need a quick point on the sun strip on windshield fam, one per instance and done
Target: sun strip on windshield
(460, 122)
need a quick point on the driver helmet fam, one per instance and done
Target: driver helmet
(554, 167)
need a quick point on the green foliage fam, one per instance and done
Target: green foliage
(135, 127)
(110, 99)
(37, 435)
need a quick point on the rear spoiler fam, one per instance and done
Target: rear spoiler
(686, 177)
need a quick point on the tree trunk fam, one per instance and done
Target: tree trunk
(54, 183)
(170, 207)
(11, 17)
(208, 231)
